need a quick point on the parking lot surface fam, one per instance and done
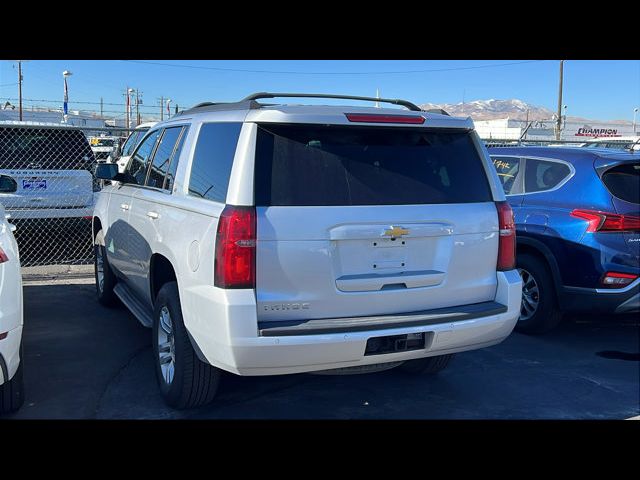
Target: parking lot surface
(86, 361)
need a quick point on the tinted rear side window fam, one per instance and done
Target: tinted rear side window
(306, 165)
(45, 149)
(163, 156)
(213, 159)
(623, 182)
(542, 175)
(508, 169)
(173, 167)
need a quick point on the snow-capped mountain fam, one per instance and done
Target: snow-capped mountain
(491, 109)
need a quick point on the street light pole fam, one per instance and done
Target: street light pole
(559, 119)
(635, 110)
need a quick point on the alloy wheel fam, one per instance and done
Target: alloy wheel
(530, 295)
(166, 345)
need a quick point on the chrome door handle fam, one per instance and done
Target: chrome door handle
(124, 206)
(152, 215)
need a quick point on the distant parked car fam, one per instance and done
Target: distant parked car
(129, 146)
(11, 383)
(578, 230)
(46, 174)
(46, 170)
(103, 146)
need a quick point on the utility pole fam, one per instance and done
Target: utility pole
(137, 107)
(161, 108)
(126, 107)
(20, 87)
(559, 119)
(101, 107)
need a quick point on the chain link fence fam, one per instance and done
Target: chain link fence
(48, 188)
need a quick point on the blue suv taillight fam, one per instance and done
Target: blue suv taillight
(607, 222)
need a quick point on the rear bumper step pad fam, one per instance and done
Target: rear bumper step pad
(358, 324)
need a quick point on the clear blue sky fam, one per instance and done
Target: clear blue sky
(597, 89)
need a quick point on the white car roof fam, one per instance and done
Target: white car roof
(25, 123)
(145, 125)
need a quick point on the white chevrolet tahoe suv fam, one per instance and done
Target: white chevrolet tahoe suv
(275, 239)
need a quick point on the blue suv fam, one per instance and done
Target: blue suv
(577, 219)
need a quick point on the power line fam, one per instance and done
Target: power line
(75, 102)
(202, 67)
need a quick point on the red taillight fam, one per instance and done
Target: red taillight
(378, 118)
(235, 262)
(3, 256)
(607, 222)
(507, 237)
(617, 279)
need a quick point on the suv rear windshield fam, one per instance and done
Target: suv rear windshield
(307, 165)
(623, 182)
(45, 149)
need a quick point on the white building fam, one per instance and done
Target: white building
(509, 129)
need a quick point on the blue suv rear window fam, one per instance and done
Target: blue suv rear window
(623, 182)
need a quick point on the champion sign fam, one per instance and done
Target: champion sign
(597, 132)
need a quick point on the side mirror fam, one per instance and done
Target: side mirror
(107, 171)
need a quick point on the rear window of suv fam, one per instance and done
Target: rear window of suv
(623, 182)
(309, 165)
(44, 149)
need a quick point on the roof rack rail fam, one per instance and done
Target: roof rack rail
(395, 101)
(205, 104)
(438, 110)
(215, 106)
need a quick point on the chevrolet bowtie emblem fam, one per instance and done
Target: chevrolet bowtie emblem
(395, 232)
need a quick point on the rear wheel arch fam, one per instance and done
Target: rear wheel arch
(96, 227)
(161, 271)
(545, 255)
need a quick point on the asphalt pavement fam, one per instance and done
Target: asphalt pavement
(84, 361)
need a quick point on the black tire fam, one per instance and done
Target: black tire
(547, 315)
(194, 382)
(106, 296)
(12, 392)
(428, 365)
